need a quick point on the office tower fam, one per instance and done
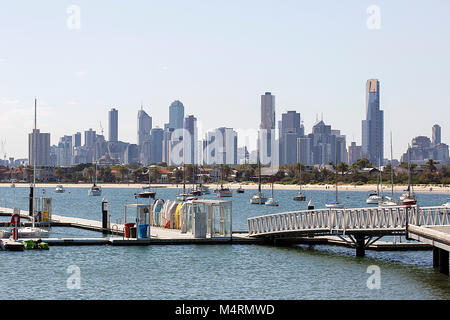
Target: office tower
(436, 135)
(221, 147)
(144, 126)
(267, 111)
(131, 154)
(38, 148)
(190, 140)
(290, 129)
(156, 151)
(90, 138)
(355, 153)
(64, 151)
(76, 139)
(373, 126)
(176, 115)
(304, 154)
(113, 125)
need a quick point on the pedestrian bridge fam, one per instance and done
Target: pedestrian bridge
(361, 227)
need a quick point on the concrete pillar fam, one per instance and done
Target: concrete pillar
(435, 257)
(443, 261)
(360, 252)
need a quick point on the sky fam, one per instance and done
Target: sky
(218, 58)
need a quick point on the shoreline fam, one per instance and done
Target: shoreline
(249, 186)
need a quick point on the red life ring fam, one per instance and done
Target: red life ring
(15, 219)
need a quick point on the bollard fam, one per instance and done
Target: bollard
(310, 205)
(105, 216)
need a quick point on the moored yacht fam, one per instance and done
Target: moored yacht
(59, 189)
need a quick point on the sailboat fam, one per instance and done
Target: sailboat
(184, 196)
(223, 192)
(300, 196)
(272, 202)
(196, 189)
(376, 197)
(259, 197)
(408, 198)
(146, 192)
(389, 201)
(240, 189)
(335, 203)
(95, 190)
(33, 231)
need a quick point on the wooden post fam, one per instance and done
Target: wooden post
(105, 216)
(360, 252)
(443, 261)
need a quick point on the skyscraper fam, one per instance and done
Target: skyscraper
(76, 138)
(38, 148)
(113, 125)
(144, 126)
(267, 126)
(373, 126)
(436, 135)
(176, 115)
(90, 138)
(156, 153)
(290, 130)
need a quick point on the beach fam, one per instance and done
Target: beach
(249, 186)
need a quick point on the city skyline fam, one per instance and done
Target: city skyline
(156, 60)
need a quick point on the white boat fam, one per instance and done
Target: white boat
(95, 190)
(258, 198)
(447, 204)
(59, 189)
(272, 202)
(26, 233)
(388, 202)
(374, 198)
(334, 204)
(300, 196)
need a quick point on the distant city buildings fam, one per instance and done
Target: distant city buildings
(178, 141)
(422, 149)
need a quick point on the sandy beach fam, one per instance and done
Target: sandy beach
(386, 188)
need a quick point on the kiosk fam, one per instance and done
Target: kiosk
(141, 215)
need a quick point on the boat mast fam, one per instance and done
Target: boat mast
(34, 156)
(336, 169)
(409, 171)
(392, 173)
(300, 179)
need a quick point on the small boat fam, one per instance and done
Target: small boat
(30, 232)
(388, 202)
(224, 192)
(59, 189)
(272, 202)
(408, 200)
(205, 190)
(95, 190)
(300, 196)
(186, 197)
(374, 198)
(258, 198)
(240, 190)
(334, 204)
(147, 194)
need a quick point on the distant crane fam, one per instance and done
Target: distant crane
(101, 128)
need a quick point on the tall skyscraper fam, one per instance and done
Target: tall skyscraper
(373, 126)
(267, 126)
(267, 111)
(89, 138)
(38, 148)
(113, 125)
(176, 115)
(436, 135)
(76, 138)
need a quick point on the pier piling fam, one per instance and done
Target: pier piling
(360, 245)
(105, 216)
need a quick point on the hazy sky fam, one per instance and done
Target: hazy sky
(218, 57)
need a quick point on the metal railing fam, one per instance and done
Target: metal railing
(377, 219)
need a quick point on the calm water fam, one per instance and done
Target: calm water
(211, 272)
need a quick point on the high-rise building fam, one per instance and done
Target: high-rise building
(113, 125)
(90, 137)
(220, 147)
(436, 135)
(38, 148)
(373, 126)
(156, 151)
(144, 126)
(267, 126)
(176, 115)
(290, 129)
(190, 140)
(355, 153)
(76, 139)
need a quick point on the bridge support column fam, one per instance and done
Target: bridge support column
(360, 250)
(435, 257)
(443, 261)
